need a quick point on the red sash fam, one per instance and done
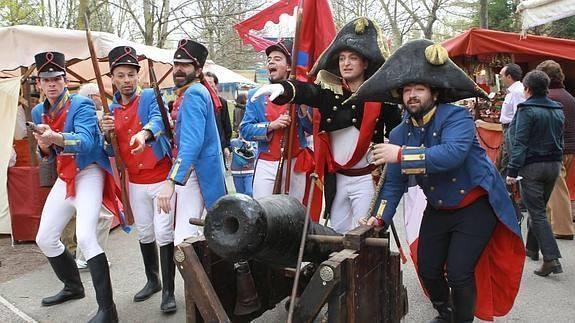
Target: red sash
(66, 164)
(272, 112)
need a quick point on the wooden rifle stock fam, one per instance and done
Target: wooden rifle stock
(111, 135)
(279, 174)
(154, 84)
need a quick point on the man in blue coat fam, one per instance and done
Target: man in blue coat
(145, 150)
(67, 131)
(198, 169)
(469, 233)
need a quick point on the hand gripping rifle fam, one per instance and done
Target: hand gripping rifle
(154, 84)
(111, 136)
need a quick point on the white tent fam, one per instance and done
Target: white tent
(539, 12)
(26, 41)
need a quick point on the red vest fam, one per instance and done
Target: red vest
(273, 111)
(143, 168)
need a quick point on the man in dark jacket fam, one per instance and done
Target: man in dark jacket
(559, 207)
(536, 152)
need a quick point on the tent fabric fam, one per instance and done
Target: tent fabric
(9, 93)
(26, 41)
(538, 12)
(476, 41)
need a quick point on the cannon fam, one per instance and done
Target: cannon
(253, 245)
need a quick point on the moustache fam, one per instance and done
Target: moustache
(411, 101)
(180, 74)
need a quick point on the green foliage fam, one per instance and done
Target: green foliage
(501, 15)
(564, 28)
(18, 12)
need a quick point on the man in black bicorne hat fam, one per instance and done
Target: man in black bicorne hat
(469, 233)
(346, 129)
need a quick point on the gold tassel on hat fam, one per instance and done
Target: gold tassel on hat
(436, 54)
(360, 25)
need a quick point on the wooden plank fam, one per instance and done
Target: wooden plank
(355, 238)
(196, 279)
(317, 291)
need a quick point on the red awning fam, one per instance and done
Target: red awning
(476, 41)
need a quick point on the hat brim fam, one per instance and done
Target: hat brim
(185, 61)
(51, 74)
(136, 65)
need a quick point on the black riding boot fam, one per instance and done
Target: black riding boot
(65, 268)
(464, 303)
(153, 285)
(168, 272)
(103, 286)
(439, 295)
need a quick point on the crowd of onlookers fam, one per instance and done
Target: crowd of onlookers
(538, 120)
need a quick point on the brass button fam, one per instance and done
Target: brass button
(376, 119)
(354, 120)
(435, 134)
(328, 120)
(462, 192)
(353, 106)
(337, 96)
(334, 108)
(454, 179)
(129, 130)
(140, 165)
(407, 121)
(126, 118)
(77, 169)
(440, 202)
(409, 133)
(375, 131)
(421, 156)
(432, 188)
(61, 174)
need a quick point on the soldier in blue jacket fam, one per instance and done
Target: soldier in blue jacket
(198, 169)
(146, 152)
(469, 233)
(68, 132)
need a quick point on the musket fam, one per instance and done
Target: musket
(279, 174)
(111, 136)
(154, 84)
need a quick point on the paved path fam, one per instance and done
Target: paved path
(550, 299)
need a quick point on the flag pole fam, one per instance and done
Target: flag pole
(292, 112)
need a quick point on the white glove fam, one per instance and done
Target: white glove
(273, 90)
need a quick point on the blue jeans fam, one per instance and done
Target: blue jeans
(244, 183)
(536, 187)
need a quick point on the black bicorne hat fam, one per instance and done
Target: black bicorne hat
(419, 61)
(123, 55)
(360, 35)
(285, 46)
(191, 52)
(50, 64)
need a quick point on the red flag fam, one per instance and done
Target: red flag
(316, 32)
(259, 20)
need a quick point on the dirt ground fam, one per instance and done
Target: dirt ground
(19, 259)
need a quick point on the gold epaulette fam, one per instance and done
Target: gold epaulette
(330, 82)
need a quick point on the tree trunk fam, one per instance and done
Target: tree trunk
(483, 17)
(82, 10)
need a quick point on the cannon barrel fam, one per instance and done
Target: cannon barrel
(269, 230)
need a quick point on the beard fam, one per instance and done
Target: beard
(189, 78)
(420, 109)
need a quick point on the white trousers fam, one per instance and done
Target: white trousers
(265, 175)
(58, 210)
(351, 201)
(151, 224)
(103, 231)
(189, 204)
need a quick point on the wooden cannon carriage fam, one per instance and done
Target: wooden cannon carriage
(361, 281)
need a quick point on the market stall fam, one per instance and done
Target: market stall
(481, 53)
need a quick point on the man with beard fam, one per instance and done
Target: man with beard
(198, 169)
(68, 131)
(346, 129)
(469, 224)
(145, 150)
(266, 122)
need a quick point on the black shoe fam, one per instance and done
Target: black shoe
(100, 272)
(548, 267)
(464, 303)
(439, 295)
(168, 272)
(65, 268)
(564, 236)
(153, 285)
(534, 255)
